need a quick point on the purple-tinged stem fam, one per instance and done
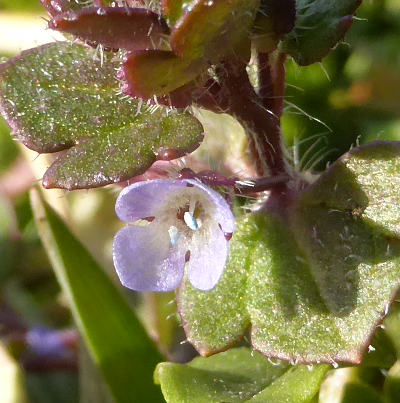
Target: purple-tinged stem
(245, 186)
(279, 76)
(272, 81)
(266, 87)
(262, 125)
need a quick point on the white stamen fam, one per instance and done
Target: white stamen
(190, 221)
(192, 206)
(174, 235)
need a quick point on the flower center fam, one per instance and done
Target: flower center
(190, 216)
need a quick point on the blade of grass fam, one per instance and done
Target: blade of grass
(114, 336)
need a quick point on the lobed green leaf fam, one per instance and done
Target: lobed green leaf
(319, 277)
(58, 97)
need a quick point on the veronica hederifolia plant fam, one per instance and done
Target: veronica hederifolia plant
(311, 271)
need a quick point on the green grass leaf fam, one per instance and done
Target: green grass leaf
(114, 336)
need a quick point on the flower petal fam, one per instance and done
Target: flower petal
(223, 214)
(207, 259)
(145, 260)
(144, 199)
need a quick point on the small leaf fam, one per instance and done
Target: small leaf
(158, 72)
(114, 336)
(215, 320)
(320, 25)
(114, 27)
(212, 30)
(57, 97)
(298, 385)
(233, 376)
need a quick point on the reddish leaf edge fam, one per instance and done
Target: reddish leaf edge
(73, 22)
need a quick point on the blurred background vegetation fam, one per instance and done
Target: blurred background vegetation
(352, 97)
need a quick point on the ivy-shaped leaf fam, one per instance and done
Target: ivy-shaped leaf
(57, 97)
(365, 183)
(321, 276)
(320, 25)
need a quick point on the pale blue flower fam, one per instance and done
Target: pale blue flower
(173, 225)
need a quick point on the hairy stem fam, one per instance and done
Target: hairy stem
(262, 125)
(244, 186)
(272, 83)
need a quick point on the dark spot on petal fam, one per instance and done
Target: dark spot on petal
(228, 235)
(149, 219)
(189, 185)
(187, 256)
